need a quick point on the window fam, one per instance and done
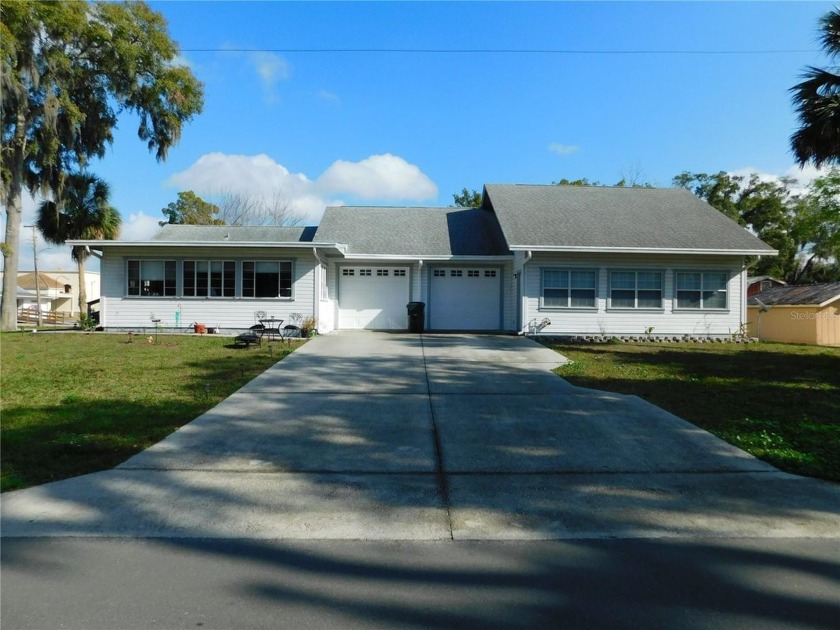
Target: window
(472, 273)
(381, 272)
(348, 272)
(365, 272)
(151, 278)
(569, 288)
(439, 273)
(490, 273)
(635, 289)
(215, 278)
(456, 273)
(701, 289)
(399, 272)
(267, 279)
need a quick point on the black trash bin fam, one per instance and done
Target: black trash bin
(416, 316)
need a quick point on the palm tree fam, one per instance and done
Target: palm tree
(82, 212)
(817, 103)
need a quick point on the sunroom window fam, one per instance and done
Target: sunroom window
(214, 278)
(267, 279)
(151, 278)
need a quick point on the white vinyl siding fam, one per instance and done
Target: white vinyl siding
(122, 311)
(605, 320)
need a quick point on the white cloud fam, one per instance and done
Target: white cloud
(381, 177)
(271, 69)
(803, 176)
(328, 97)
(563, 149)
(377, 177)
(138, 227)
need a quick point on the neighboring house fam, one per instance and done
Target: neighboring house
(757, 284)
(557, 260)
(797, 314)
(59, 290)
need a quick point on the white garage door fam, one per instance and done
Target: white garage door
(373, 297)
(463, 298)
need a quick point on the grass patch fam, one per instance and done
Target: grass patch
(778, 402)
(78, 403)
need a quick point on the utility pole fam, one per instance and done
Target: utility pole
(37, 276)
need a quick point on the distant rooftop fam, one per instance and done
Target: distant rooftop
(801, 295)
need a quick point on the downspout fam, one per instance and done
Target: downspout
(522, 318)
(316, 294)
(420, 277)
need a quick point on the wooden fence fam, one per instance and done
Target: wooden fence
(29, 315)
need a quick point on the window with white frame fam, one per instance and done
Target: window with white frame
(209, 278)
(636, 289)
(473, 273)
(439, 273)
(399, 272)
(267, 279)
(151, 278)
(489, 273)
(701, 289)
(381, 272)
(569, 288)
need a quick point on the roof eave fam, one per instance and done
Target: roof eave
(645, 250)
(99, 245)
(442, 257)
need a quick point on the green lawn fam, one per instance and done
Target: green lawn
(779, 402)
(78, 403)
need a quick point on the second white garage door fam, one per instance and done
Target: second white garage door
(373, 298)
(463, 298)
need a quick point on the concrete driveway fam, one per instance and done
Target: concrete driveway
(394, 436)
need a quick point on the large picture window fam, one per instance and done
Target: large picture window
(569, 288)
(701, 289)
(636, 289)
(213, 278)
(151, 278)
(267, 279)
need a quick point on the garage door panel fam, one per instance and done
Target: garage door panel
(373, 297)
(465, 299)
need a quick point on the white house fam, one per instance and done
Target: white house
(589, 260)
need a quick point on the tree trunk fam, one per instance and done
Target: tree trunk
(82, 290)
(11, 250)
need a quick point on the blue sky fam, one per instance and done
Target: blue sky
(299, 104)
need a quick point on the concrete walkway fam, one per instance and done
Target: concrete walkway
(380, 436)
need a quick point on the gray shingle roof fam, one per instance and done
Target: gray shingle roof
(800, 295)
(605, 217)
(233, 234)
(413, 231)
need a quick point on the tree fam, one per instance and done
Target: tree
(817, 103)
(767, 208)
(467, 199)
(247, 209)
(817, 229)
(85, 213)
(190, 209)
(69, 69)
